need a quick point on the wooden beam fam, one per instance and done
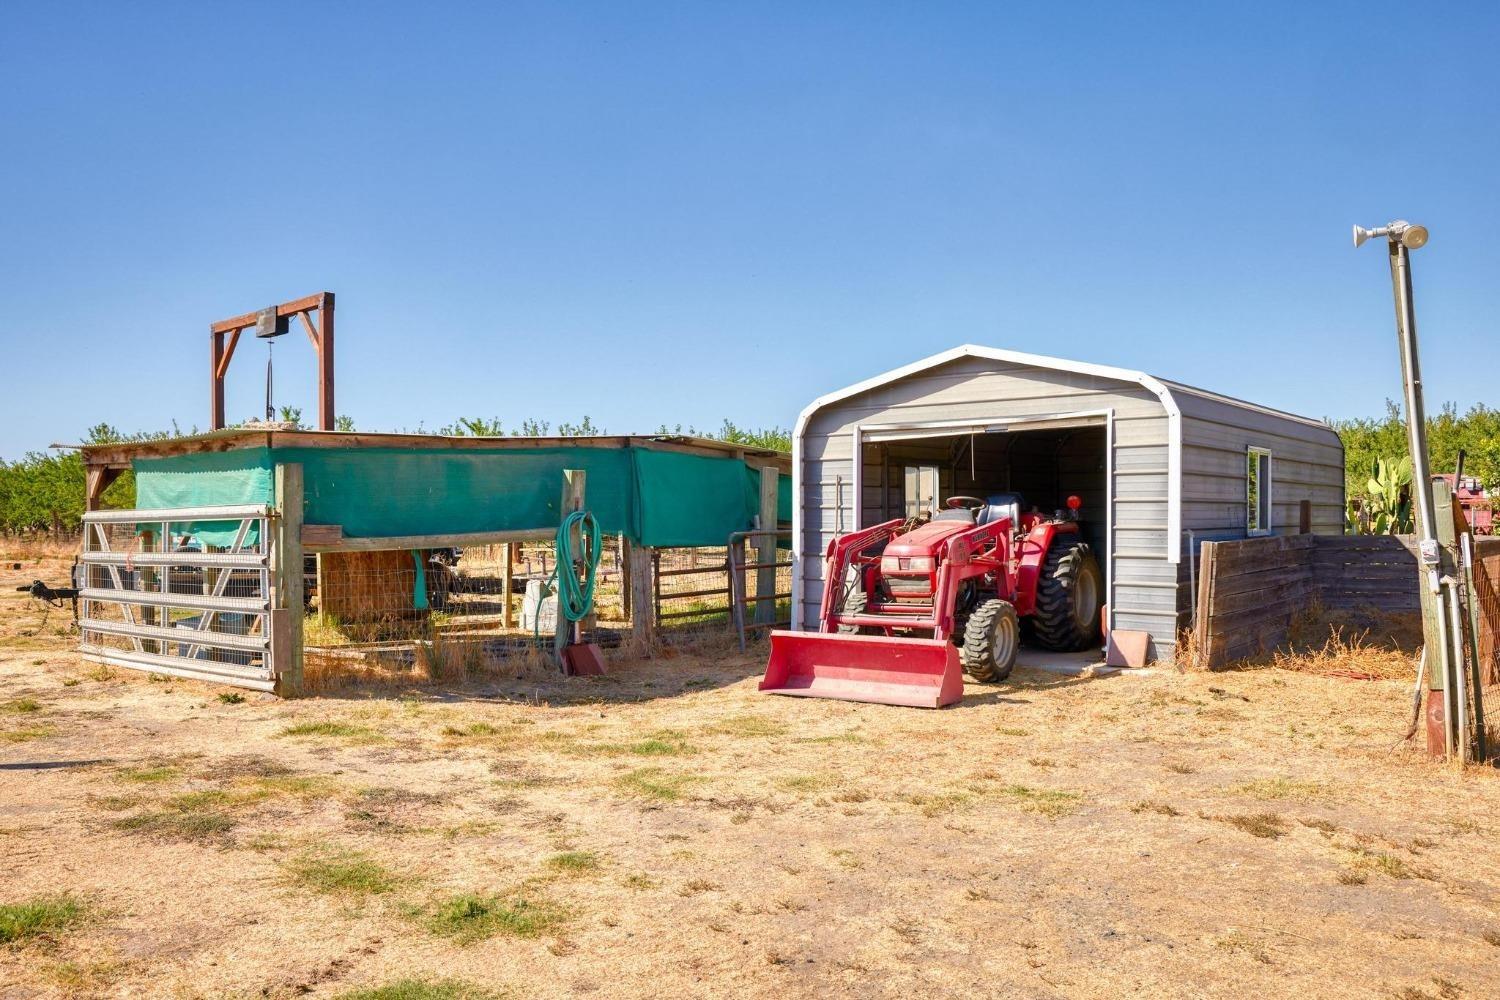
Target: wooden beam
(284, 309)
(507, 577)
(307, 324)
(287, 573)
(376, 544)
(326, 417)
(97, 479)
(642, 603)
(224, 359)
(765, 545)
(215, 381)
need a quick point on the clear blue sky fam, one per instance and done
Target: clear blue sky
(620, 210)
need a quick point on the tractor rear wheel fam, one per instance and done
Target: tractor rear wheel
(855, 602)
(1068, 597)
(992, 636)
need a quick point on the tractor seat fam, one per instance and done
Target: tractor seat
(1002, 505)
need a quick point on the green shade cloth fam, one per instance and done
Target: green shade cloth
(656, 498)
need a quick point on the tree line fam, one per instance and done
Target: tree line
(44, 491)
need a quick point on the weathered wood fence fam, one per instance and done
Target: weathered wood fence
(1250, 591)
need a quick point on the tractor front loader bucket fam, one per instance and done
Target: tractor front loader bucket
(915, 673)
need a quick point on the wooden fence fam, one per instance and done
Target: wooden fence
(1251, 590)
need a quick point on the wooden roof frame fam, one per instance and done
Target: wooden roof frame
(221, 351)
(119, 455)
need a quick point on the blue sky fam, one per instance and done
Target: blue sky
(620, 210)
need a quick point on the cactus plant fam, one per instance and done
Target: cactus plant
(1389, 501)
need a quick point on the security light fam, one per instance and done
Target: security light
(1410, 236)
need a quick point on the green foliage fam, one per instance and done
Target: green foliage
(773, 438)
(1476, 432)
(38, 916)
(1377, 462)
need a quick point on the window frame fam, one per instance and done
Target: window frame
(1264, 463)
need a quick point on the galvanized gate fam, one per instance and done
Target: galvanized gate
(156, 596)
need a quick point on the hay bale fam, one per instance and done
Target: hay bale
(366, 588)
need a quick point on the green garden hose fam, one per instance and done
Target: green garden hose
(575, 600)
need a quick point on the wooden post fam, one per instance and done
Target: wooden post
(1434, 614)
(1304, 517)
(286, 572)
(326, 418)
(765, 549)
(507, 577)
(574, 481)
(150, 613)
(625, 594)
(642, 607)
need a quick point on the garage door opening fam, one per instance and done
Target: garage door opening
(910, 470)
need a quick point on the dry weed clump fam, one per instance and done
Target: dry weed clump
(1349, 654)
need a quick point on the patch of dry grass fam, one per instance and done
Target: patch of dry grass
(654, 783)
(470, 917)
(341, 872)
(1266, 825)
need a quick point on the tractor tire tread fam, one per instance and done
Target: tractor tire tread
(1055, 625)
(978, 637)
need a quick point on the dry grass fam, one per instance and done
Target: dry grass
(666, 830)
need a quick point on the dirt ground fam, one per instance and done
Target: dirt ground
(666, 831)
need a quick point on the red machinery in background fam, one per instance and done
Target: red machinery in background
(908, 605)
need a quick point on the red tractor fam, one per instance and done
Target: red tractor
(972, 578)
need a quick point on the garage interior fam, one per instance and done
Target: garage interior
(904, 473)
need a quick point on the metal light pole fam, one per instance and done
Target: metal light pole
(1401, 238)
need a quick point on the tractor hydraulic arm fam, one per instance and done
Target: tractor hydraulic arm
(842, 552)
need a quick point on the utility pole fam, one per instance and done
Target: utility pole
(1438, 575)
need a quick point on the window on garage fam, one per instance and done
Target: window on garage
(1258, 492)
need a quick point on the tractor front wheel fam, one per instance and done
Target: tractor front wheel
(1068, 597)
(992, 635)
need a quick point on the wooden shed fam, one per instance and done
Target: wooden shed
(1160, 466)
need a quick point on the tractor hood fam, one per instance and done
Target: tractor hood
(926, 540)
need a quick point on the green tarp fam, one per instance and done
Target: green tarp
(657, 498)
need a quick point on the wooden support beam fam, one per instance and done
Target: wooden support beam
(326, 418)
(286, 572)
(625, 594)
(642, 602)
(765, 547)
(97, 479)
(312, 332)
(317, 543)
(507, 577)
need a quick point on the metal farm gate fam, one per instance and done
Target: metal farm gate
(185, 592)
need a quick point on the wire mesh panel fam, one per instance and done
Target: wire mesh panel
(179, 592)
(692, 591)
(1486, 616)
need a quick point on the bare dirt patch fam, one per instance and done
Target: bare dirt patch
(666, 831)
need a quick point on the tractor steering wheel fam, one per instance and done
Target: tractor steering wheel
(965, 503)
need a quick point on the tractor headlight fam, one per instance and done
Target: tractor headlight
(905, 564)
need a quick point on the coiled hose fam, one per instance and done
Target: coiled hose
(575, 600)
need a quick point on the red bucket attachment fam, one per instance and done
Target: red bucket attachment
(916, 673)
